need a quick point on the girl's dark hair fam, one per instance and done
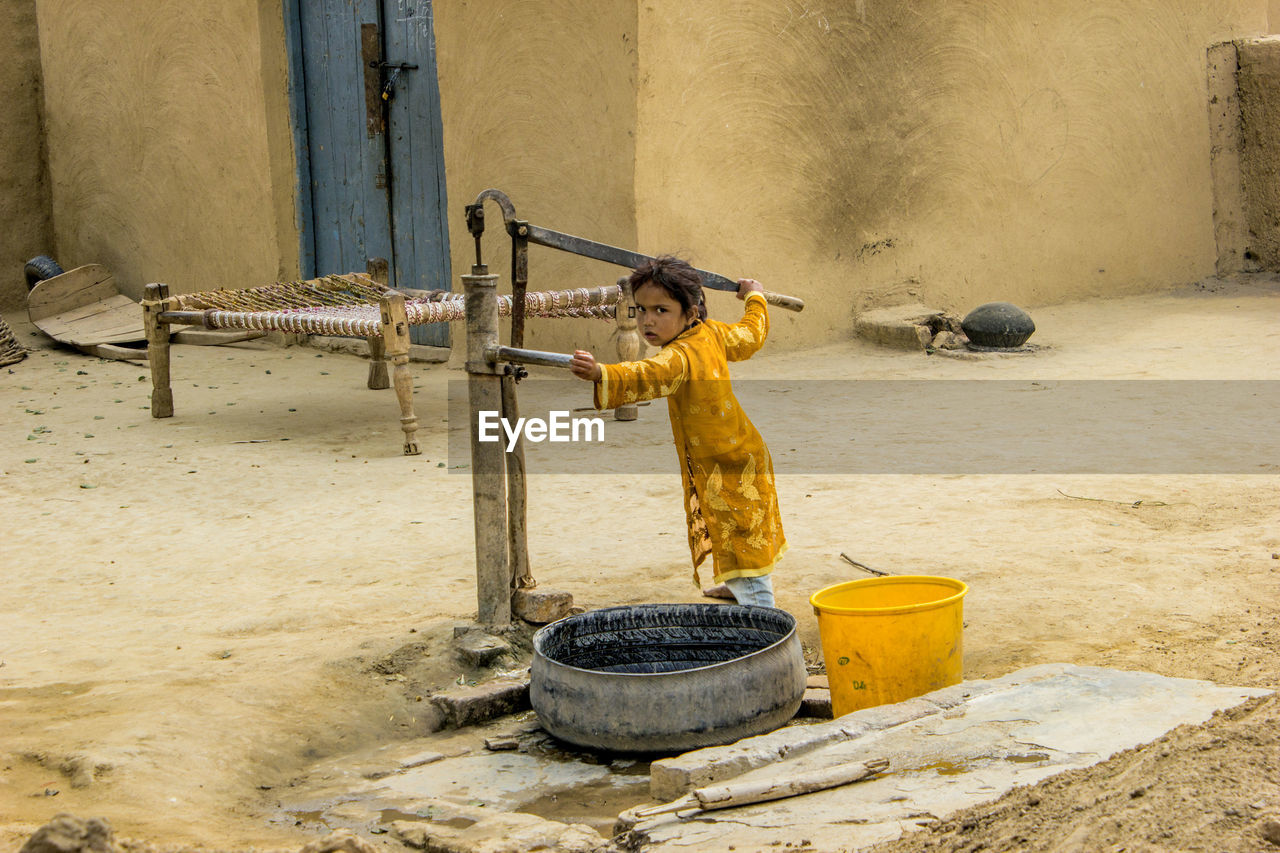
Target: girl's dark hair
(680, 280)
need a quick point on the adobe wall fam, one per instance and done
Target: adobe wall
(24, 184)
(173, 158)
(538, 100)
(852, 153)
(157, 119)
(1258, 87)
(883, 151)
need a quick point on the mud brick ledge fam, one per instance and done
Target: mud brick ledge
(468, 706)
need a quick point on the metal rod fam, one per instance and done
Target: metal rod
(516, 355)
(517, 494)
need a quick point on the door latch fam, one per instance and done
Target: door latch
(388, 88)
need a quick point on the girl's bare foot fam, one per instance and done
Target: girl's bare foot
(718, 591)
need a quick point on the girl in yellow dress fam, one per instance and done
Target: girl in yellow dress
(730, 501)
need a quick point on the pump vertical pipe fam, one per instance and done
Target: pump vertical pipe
(488, 468)
(517, 494)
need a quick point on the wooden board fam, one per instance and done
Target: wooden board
(114, 351)
(214, 337)
(83, 307)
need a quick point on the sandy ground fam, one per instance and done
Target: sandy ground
(192, 606)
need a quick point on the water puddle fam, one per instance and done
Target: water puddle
(597, 804)
(956, 768)
(943, 768)
(540, 776)
(312, 818)
(386, 816)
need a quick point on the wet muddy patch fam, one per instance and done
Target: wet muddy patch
(454, 780)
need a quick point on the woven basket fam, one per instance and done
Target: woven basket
(10, 350)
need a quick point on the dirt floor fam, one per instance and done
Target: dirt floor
(198, 609)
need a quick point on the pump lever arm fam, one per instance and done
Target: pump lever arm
(589, 248)
(627, 258)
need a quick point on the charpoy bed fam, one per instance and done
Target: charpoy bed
(352, 305)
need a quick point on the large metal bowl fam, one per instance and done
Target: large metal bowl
(667, 677)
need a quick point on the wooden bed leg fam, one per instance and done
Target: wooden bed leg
(517, 495)
(155, 300)
(395, 337)
(377, 270)
(377, 364)
(629, 343)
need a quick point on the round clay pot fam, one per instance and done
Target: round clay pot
(998, 324)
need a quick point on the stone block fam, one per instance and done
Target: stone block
(816, 702)
(541, 606)
(67, 832)
(468, 706)
(419, 759)
(477, 648)
(902, 326)
(501, 743)
(949, 340)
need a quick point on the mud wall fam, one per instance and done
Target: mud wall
(955, 152)
(158, 117)
(25, 220)
(1258, 88)
(853, 153)
(539, 100)
(172, 153)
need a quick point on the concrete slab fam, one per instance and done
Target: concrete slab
(669, 778)
(1011, 731)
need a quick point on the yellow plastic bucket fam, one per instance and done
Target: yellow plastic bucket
(890, 638)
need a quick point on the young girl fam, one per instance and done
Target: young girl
(730, 501)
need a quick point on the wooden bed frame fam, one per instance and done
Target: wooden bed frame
(353, 305)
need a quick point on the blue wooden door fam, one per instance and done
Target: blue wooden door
(373, 142)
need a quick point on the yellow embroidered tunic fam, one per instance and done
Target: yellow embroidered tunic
(730, 500)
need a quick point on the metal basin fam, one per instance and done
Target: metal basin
(667, 677)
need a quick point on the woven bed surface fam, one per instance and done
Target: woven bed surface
(348, 305)
(10, 350)
(328, 291)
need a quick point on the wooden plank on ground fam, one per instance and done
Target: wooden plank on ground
(83, 307)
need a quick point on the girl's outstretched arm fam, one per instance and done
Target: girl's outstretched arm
(632, 381)
(583, 365)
